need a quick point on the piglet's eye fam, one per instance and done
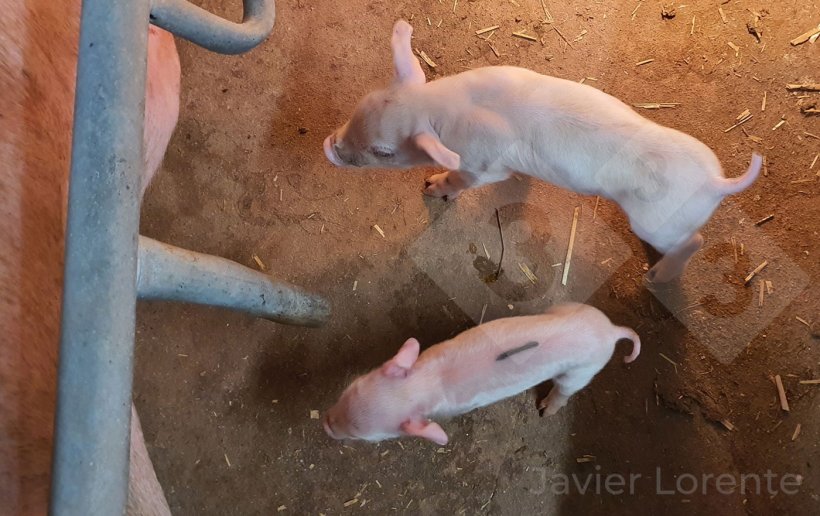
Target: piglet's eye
(382, 152)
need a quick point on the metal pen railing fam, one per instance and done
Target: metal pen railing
(108, 265)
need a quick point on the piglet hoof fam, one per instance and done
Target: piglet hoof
(656, 280)
(552, 403)
(544, 407)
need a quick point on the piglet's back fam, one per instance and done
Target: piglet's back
(504, 357)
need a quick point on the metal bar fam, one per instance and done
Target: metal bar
(173, 274)
(208, 30)
(90, 467)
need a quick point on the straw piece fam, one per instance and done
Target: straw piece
(754, 272)
(571, 245)
(781, 393)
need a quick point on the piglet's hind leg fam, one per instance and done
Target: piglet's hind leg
(565, 386)
(674, 262)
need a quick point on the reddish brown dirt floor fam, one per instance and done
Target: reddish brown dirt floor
(225, 399)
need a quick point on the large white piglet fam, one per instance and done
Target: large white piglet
(485, 124)
(569, 344)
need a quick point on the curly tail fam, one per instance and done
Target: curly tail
(628, 333)
(738, 184)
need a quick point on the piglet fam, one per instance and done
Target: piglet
(568, 344)
(485, 124)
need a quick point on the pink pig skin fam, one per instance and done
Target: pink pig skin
(487, 123)
(574, 342)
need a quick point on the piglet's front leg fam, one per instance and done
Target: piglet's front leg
(448, 185)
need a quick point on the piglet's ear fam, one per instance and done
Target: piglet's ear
(429, 143)
(426, 429)
(408, 69)
(400, 365)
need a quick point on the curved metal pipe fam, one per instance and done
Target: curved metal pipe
(210, 31)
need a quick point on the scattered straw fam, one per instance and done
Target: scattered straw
(495, 51)
(426, 58)
(562, 36)
(764, 220)
(796, 432)
(781, 393)
(799, 40)
(547, 15)
(259, 263)
(755, 271)
(486, 29)
(635, 10)
(377, 228)
(674, 364)
(645, 61)
(741, 119)
(528, 273)
(804, 86)
(571, 245)
(523, 35)
(656, 105)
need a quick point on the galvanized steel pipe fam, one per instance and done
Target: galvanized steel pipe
(173, 274)
(90, 467)
(208, 30)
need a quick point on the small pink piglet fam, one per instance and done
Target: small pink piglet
(568, 344)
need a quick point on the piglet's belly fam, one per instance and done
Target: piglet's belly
(479, 390)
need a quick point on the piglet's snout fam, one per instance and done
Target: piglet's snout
(328, 147)
(330, 151)
(328, 429)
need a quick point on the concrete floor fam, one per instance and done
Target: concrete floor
(225, 399)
